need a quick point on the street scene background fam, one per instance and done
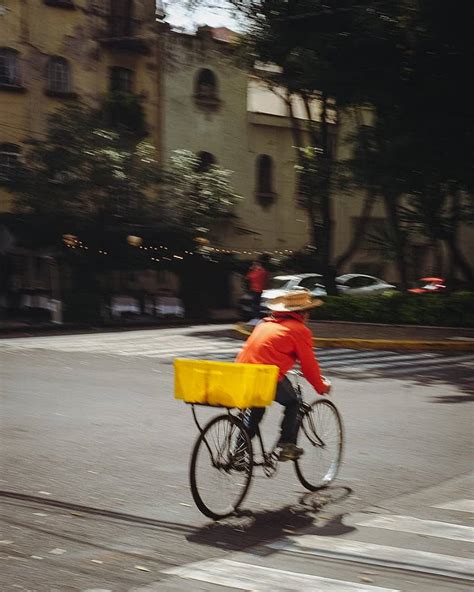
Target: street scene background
(168, 170)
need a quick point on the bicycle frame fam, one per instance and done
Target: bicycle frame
(269, 460)
(236, 462)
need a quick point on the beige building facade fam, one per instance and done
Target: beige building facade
(205, 109)
(243, 125)
(233, 119)
(53, 52)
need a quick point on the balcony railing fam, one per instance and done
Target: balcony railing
(122, 33)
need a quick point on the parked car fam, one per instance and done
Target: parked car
(281, 284)
(428, 285)
(362, 285)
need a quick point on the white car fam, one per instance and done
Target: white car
(362, 285)
(281, 284)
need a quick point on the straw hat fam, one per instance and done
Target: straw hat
(293, 302)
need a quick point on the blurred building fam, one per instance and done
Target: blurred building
(56, 51)
(213, 107)
(53, 52)
(232, 118)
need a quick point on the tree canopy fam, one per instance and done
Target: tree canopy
(89, 180)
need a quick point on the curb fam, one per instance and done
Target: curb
(80, 329)
(397, 344)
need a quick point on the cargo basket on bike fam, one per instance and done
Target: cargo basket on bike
(225, 384)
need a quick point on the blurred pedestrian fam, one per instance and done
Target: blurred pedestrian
(257, 280)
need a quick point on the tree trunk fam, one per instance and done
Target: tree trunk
(438, 264)
(369, 202)
(311, 207)
(329, 271)
(359, 231)
(450, 236)
(321, 231)
(295, 126)
(459, 260)
(391, 208)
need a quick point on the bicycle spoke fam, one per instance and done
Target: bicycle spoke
(322, 439)
(218, 482)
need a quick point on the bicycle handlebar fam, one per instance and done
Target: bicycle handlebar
(299, 374)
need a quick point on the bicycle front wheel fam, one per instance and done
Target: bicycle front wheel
(322, 438)
(221, 467)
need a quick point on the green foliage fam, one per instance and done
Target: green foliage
(397, 308)
(196, 198)
(123, 111)
(82, 175)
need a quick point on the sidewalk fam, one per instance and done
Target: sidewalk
(327, 333)
(23, 328)
(378, 336)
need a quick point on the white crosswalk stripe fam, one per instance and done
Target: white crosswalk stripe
(415, 554)
(432, 528)
(463, 505)
(207, 342)
(376, 554)
(244, 576)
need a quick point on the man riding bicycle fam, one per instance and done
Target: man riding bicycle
(282, 339)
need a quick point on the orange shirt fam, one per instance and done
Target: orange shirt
(257, 278)
(282, 341)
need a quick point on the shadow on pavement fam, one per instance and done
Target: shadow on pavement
(253, 528)
(132, 518)
(456, 376)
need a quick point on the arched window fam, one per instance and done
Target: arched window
(206, 160)
(9, 66)
(59, 75)
(9, 157)
(206, 85)
(264, 175)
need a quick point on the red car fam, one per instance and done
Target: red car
(428, 285)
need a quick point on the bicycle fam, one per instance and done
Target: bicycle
(225, 446)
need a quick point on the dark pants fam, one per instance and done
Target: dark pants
(286, 396)
(256, 300)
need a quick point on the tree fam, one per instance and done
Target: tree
(82, 178)
(101, 186)
(194, 196)
(407, 61)
(329, 54)
(87, 180)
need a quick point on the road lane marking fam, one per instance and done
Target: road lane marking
(245, 576)
(463, 505)
(431, 528)
(374, 554)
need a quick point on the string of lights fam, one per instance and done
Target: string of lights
(73, 242)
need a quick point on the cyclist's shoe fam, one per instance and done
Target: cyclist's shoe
(289, 451)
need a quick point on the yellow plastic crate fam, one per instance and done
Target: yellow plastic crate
(225, 384)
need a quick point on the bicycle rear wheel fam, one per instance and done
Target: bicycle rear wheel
(221, 467)
(322, 438)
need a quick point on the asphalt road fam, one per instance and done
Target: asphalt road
(95, 454)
